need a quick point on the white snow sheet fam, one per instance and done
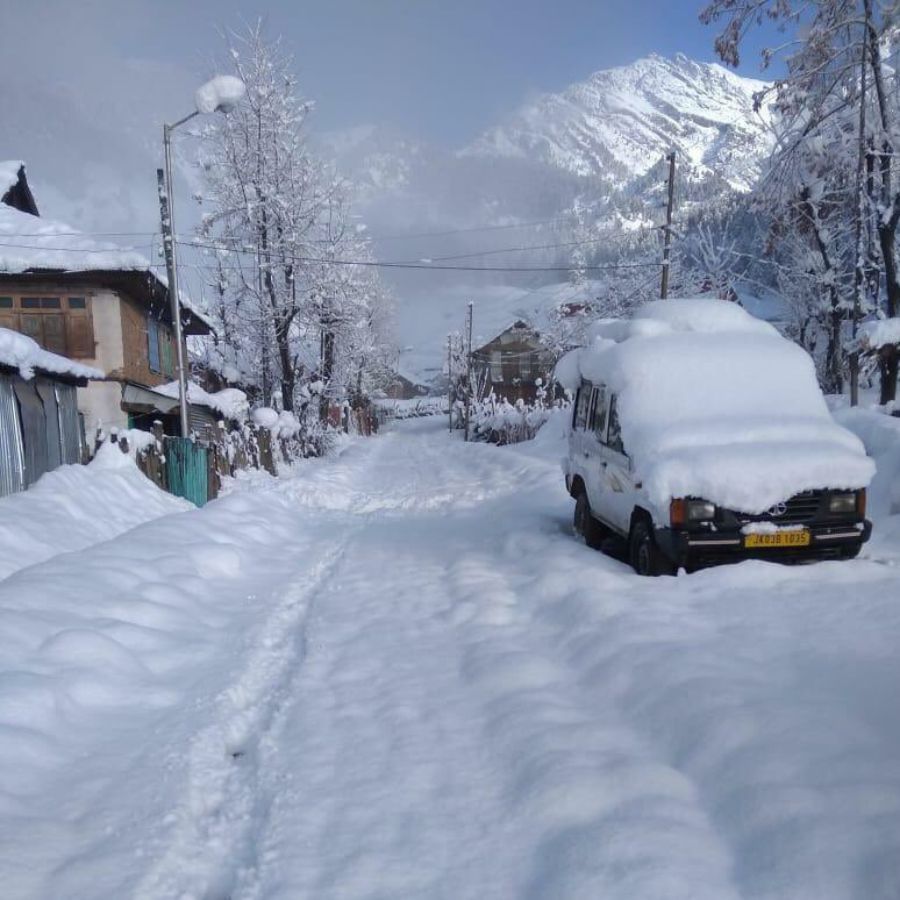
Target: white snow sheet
(18, 351)
(398, 675)
(715, 404)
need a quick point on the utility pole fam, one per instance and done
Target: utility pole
(667, 245)
(164, 185)
(469, 367)
(450, 383)
(860, 213)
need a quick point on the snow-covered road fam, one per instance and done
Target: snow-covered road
(398, 675)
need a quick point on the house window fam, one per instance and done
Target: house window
(67, 329)
(496, 366)
(165, 352)
(153, 344)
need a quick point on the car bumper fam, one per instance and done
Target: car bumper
(693, 549)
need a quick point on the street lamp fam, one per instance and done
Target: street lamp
(220, 94)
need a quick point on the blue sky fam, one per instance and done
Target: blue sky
(438, 69)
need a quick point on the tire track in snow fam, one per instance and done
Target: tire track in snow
(212, 832)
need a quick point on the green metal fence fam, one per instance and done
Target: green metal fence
(187, 470)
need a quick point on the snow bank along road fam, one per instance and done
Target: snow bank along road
(398, 675)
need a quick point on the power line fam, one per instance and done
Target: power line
(379, 264)
(79, 234)
(111, 249)
(559, 246)
(452, 231)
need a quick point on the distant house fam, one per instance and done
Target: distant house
(40, 428)
(88, 300)
(399, 387)
(511, 363)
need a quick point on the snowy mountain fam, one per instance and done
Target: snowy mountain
(602, 137)
(621, 121)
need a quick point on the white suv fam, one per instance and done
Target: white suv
(700, 435)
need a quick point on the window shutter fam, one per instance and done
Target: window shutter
(81, 336)
(153, 343)
(166, 351)
(31, 325)
(54, 333)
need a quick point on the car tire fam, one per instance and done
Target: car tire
(851, 552)
(586, 525)
(646, 557)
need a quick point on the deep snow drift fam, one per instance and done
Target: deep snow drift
(74, 507)
(398, 675)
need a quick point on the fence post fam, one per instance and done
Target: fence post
(264, 436)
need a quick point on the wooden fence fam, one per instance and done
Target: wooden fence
(194, 469)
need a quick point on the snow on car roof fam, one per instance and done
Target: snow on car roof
(714, 403)
(18, 351)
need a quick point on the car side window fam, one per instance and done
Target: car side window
(598, 417)
(614, 438)
(582, 404)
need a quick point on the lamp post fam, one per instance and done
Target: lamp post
(220, 94)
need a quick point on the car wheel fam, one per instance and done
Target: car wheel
(646, 557)
(851, 552)
(586, 525)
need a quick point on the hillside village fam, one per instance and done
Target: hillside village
(472, 505)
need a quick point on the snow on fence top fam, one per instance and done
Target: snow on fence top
(230, 402)
(18, 351)
(714, 403)
(879, 333)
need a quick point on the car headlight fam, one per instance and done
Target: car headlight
(700, 510)
(842, 504)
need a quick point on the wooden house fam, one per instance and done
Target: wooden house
(90, 301)
(511, 364)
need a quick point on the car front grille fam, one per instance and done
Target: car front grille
(798, 510)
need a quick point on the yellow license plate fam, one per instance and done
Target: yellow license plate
(778, 539)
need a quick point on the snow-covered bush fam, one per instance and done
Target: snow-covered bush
(498, 421)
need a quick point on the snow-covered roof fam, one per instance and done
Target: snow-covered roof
(32, 243)
(230, 402)
(714, 403)
(9, 174)
(18, 351)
